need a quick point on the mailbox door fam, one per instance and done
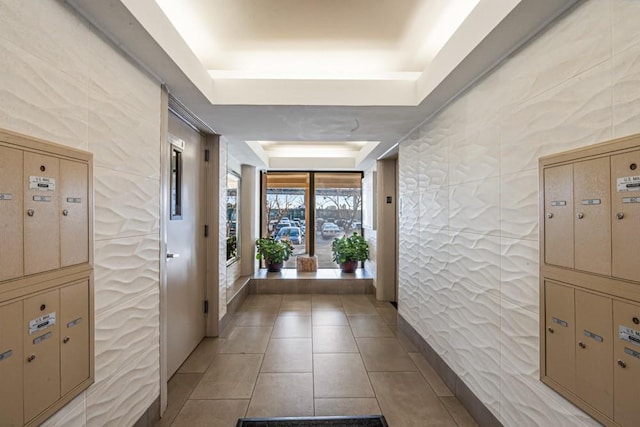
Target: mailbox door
(594, 351)
(74, 335)
(11, 361)
(625, 178)
(592, 202)
(560, 334)
(626, 349)
(558, 220)
(11, 202)
(41, 223)
(74, 214)
(41, 352)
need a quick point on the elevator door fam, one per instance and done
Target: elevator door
(185, 245)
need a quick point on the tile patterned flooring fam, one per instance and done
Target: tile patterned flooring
(305, 355)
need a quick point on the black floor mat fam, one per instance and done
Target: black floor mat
(368, 421)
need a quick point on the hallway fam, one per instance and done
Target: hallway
(304, 355)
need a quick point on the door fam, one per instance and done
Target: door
(626, 324)
(594, 372)
(41, 359)
(185, 245)
(625, 228)
(74, 335)
(592, 220)
(11, 365)
(560, 334)
(558, 220)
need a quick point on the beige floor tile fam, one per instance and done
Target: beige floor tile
(292, 327)
(389, 314)
(457, 411)
(384, 354)
(230, 376)
(179, 388)
(333, 339)
(357, 304)
(288, 355)
(369, 326)
(282, 395)
(254, 318)
(258, 308)
(199, 360)
(407, 401)
(330, 318)
(206, 413)
(374, 301)
(326, 302)
(250, 339)
(340, 375)
(295, 308)
(434, 380)
(263, 300)
(347, 407)
(296, 298)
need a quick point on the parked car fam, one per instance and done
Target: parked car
(292, 234)
(329, 230)
(356, 225)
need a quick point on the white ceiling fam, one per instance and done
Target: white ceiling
(316, 72)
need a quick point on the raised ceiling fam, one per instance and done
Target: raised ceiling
(317, 71)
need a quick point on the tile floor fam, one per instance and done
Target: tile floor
(305, 355)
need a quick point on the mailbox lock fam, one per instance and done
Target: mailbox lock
(636, 320)
(31, 358)
(582, 345)
(31, 212)
(550, 215)
(580, 215)
(550, 330)
(633, 166)
(620, 215)
(65, 212)
(66, 340)
(42, 307)
(621, 363)
(43, 168)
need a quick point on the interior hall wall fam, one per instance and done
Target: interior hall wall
(61, 82)
(468, 180)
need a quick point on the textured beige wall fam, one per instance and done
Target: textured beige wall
(61, 82)
(469, 184)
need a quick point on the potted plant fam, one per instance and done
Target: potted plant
(274, 252)
(347, 251)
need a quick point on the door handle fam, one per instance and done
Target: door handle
(171, 256)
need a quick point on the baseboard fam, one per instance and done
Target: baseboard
(151, 415)
(471, 402)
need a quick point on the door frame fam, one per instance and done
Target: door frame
(209, 139)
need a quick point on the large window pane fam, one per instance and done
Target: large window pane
(338, 206)
(286, 212)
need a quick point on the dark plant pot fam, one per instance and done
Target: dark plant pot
(349, 266)
(274, 267)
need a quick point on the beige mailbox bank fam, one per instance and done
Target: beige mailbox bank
(590, 278)
(46, 277)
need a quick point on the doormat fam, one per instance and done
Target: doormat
(364, 421)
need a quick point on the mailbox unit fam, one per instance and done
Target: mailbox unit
(590, 278)
(46, 277)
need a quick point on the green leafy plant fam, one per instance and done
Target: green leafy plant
(272, 250)
(232, 247)
(352, 248)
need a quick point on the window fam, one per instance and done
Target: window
(176, 183)
(233, 223)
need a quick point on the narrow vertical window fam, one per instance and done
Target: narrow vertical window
(176, 184)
